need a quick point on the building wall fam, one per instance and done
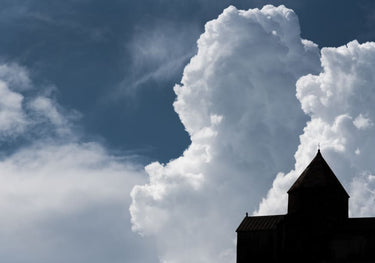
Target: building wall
(310, 241)
(317, 203)
(257, 246)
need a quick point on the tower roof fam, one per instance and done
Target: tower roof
(318, 175)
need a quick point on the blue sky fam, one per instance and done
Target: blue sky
(88, 50)
(111, 137)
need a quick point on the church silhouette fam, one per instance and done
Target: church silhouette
(315, 229)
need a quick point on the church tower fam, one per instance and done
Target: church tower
(315, 229)
(318, 194)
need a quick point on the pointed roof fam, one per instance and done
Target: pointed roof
(318, 175)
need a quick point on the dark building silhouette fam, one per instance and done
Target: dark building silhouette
(315, 229)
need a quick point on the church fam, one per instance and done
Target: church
(316, 227)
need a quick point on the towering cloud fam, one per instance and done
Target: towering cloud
(237, 102)
(340, 103)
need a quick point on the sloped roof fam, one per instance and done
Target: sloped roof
(253, 223)
(318, 175)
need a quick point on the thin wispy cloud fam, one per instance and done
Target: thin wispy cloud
(58, 191)
(158, 52)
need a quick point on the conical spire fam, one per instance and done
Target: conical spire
(317, 175)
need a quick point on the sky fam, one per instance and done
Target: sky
(143, 131)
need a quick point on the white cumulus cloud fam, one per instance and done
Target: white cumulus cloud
(237, 102)
(340, 102)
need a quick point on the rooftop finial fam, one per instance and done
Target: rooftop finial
(247, 214)
(318, 147)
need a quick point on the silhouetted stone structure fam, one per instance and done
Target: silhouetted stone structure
(315, 229)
